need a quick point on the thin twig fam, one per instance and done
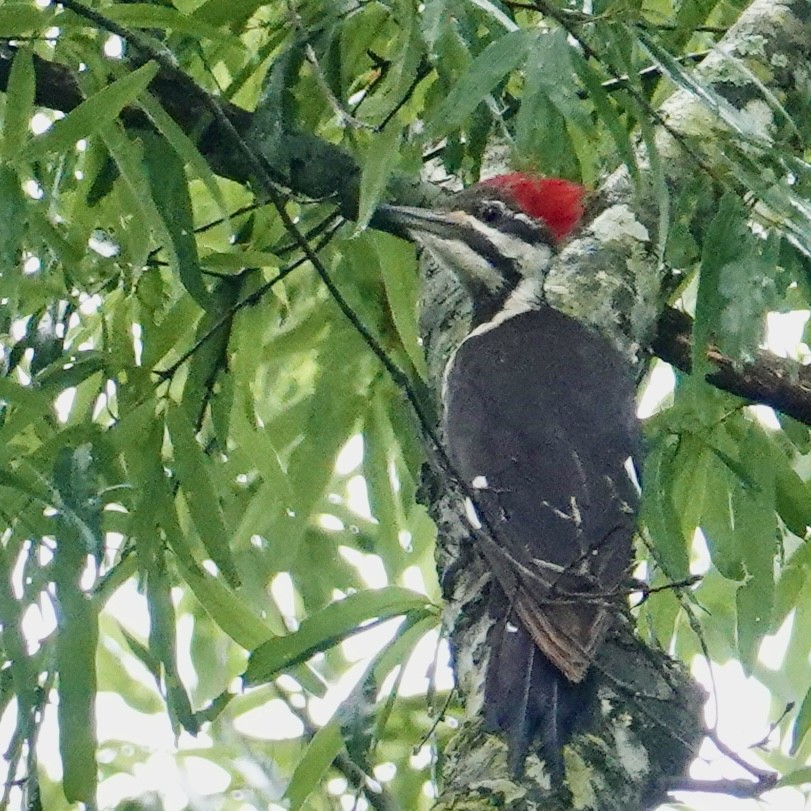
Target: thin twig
(744, 789)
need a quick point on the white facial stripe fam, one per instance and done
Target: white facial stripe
(529, 257)
(455, 254)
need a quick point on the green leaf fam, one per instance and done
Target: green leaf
(16, 646)
(223, 605)
(327, 418)
(724, 244)
(379, 162)
(798, 777)
(321, 751)
(170, 192)
(227, 12)
(239, 260)
(76, 640)
(163, 641)
(495, 13)
(166, 18)
(329, 626)
(489, 68)
(606, 111)
(19, 103)
(12, 226)
(792, 494)
(141, 652)
(401, 282)
(659, 514)
(743, 124)
(23, 19)
(93, 114)
(793, 577)
(801, 724)
(191, 467)
(76, 665)
(378, 444)
(185, 147)
(756, 525)
(549, 110)
(145, 222)
(718, 520)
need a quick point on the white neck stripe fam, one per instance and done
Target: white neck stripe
(525, 297)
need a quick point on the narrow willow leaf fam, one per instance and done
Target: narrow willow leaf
(495, 13)
(174, 330)
(12, 227)
(191, 466)
(792, 580)
(659, 514)
(238, 260)
(718, 521)
(15, 646)
(166, 18)
(726, 238)
(19, 104)
(185, 147)
(318, 756)
(223, 605)
(756, 527)
(798, 777)
(227, 12)
(163, 641)
(134, 188)
(76, 664)
(606, 112)
(328, 418)
(170, 193)
(490, 67)
(257, 446)
(328, 627)
(401, 282)
(378, 442)
(801, 724)
(21, 20)
(397, 654)
(550, 112)
(93, 114)
(141, 652)
(793, 495)
(76, 640)
(381, 158)
(744, 125)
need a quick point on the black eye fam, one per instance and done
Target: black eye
(491, 212)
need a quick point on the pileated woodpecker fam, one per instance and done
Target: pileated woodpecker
(540, 426)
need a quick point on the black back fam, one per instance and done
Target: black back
(544, 410)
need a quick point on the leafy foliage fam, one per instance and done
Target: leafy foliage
(207, 476)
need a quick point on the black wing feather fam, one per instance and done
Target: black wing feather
(545, 444)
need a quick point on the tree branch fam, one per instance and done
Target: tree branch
(784, 385)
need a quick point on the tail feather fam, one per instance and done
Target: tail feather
(529, 699)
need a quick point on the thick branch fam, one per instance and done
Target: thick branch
(782, 384)
(316, 168)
